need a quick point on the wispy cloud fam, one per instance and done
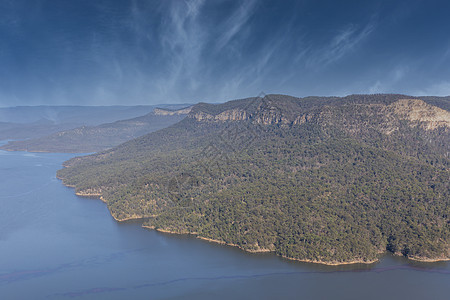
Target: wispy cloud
(182, 39)
(441, 88)
(235, 23)
(340, 45)
(194, 48)
(142, 51)
(376, 87)
(390, 81)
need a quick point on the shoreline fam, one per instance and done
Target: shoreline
(263, 250)
(428, 260)
(353, 262)
(81, 194)
(332, 263)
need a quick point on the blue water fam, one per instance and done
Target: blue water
(55, 245)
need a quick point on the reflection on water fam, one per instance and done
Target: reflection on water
(62, 246)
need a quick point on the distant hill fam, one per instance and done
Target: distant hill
(84, 115)
(321, 179)
(20, 131)
(96, 138)
(170, 112)
(25, 122)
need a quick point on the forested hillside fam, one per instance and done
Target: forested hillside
(330, 180)
(96, 138)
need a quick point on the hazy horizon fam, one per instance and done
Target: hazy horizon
(140, 52)
(185, 103)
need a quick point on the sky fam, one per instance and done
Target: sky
(127, 52)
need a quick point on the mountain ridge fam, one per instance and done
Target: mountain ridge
(86, 139)
(330, 180)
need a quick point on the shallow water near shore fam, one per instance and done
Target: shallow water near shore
(55, 245)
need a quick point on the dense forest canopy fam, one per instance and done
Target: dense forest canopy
(324, 179)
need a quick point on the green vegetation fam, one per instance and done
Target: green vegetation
(321, 179)
(96, 138)
(31, 122)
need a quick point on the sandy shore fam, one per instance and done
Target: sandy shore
(429, 260)
(93, 195)
(333, 263)
(207, 239)
(262, 250)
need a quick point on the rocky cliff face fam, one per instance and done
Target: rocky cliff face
(228, 115)
(258, 111)
(352, 116)
(420, 113)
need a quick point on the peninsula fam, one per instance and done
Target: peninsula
(331, 180)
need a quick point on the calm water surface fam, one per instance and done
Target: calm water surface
(55, 245)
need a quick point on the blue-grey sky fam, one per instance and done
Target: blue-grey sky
(102, 52)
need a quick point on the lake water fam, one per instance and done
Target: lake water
(55, 245)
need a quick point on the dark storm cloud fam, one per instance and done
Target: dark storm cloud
(137, 52)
